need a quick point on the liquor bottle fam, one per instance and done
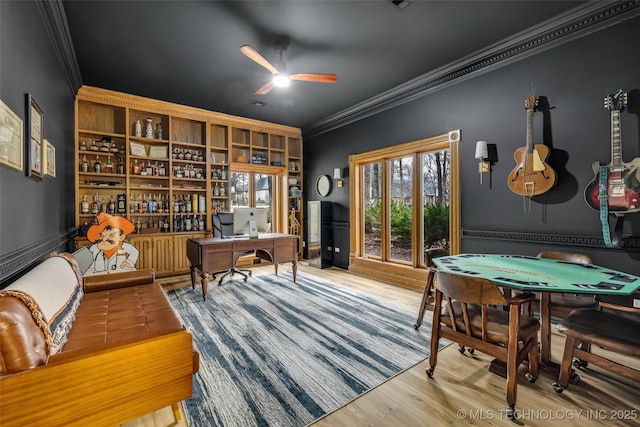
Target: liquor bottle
(120, 166)
(166, 225)
(159, 130)
(138, 225)
(108, 168)
(176, 204)
(97, 166)
(135, 168)
(112, 206)
(122, 204)
(202, 203)
(95, 206)
(188, 203)
(84, 205)
(162, 171)
(223, 190)
(132, 203)
(150, 223)
(149, 130)
(138, 128)
(83, 145)
(187, 224)
(216, 190)
(200, 223)
(223, 174)
(194, 203)
(103, 205)
(84, 165)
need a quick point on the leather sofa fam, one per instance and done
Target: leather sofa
(99, 350)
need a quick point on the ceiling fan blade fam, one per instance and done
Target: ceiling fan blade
(256, 57)
(320, 78)
(265, 89)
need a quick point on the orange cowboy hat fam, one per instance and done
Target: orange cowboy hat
(104, 220)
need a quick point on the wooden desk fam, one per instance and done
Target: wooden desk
(542, 275)
(213, 254)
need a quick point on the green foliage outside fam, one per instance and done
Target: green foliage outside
(436, 222)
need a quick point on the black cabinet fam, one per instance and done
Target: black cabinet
(320, 234)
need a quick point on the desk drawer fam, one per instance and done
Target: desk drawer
(286, 250)
(250, 245)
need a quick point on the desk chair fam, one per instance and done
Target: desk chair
(429, 255)
(223, 227)
(468, 319)
(613, 327)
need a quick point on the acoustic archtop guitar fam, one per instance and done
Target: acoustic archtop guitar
(623, 179)
(532, 176)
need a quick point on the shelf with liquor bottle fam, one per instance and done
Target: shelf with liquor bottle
(148, 127)
(186, 154)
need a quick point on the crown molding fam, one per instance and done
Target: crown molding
(572, 25)
(55, 19)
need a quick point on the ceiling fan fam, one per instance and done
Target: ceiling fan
(280, 76)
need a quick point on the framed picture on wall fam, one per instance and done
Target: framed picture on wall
(33, 140)
(11, 143)
(49, 160)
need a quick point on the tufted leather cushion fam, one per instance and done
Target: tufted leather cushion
(22, 342)
(497, 325)
(120, 316)
(605, 329)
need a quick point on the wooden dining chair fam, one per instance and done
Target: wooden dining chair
(614, 327)
(471, 316)
(562, 304)
(429, 255)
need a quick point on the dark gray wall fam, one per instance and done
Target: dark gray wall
(35, 217)
(574, 77)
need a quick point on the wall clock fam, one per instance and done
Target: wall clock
(323, 185)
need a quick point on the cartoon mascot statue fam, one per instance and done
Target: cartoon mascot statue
(111, 254)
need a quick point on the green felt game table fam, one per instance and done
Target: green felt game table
(541, 275)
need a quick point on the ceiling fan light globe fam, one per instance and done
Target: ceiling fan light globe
(281, 80)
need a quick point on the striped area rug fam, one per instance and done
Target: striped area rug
(278, 353)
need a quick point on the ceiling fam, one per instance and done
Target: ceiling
(188, 52)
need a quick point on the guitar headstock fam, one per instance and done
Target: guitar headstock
(616, 101)
(531, 103)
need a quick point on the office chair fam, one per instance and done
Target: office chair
(223, 227)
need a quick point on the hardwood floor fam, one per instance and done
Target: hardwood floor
(463, 391)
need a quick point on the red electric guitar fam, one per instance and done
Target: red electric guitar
(532, 175)
(623, 180)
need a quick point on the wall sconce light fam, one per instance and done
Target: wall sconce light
(482, 154)
(337, 176)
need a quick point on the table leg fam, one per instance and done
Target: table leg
(294, 265)
(275, 267)
(545, 328)
(205, 285)
(193, 277)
